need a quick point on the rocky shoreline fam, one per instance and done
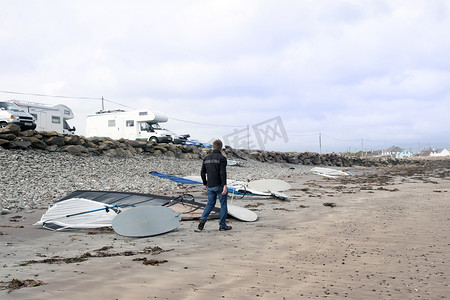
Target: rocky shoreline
(41, 167)
(35, 178)
(11, 137)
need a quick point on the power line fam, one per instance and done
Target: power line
(110, 101)
(52, 96)
(65, 97)
(107, 100)
(306, 134)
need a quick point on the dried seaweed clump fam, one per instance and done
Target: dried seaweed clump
(16, 284)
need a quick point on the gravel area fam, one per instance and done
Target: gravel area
(32, 179)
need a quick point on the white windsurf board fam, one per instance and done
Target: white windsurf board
(241, 213)
(146, 221)
(328, 172)
(279, 195)
(267, 185)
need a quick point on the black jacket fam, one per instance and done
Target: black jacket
(215, 165)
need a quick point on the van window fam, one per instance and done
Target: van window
(56, 120)
(129, 123)
(111, 123)
(143, 113)
(9, 106)
(66, 112)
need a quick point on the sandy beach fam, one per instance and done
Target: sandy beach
(382, 234)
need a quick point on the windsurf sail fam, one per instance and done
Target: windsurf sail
(174, 178)
(78, 213)
(234, 186)
(95, 209)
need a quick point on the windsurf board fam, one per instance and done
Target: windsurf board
(146, 221)
(279, 195)
(266, 185)
(328, 172)
(241, 213)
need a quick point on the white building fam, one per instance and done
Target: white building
(440, 152)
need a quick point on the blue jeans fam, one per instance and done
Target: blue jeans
(213, 192)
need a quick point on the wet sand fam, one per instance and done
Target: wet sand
(386, 238)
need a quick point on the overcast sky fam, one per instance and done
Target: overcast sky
(361, 74)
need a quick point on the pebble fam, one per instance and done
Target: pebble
(32, 179)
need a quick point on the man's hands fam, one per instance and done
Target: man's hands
(225, 190)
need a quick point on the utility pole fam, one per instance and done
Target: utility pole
(248, 138)
(320, 143)
(362, 147)
(103, 105)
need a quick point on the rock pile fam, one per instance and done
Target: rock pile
(12, 138)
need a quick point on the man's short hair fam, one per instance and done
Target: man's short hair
(217, 145)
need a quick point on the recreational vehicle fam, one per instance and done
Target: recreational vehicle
(139, 125)
(10, 113)
(49, 117)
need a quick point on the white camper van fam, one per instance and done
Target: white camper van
(49, 117)
(10, 113)
(139, 125)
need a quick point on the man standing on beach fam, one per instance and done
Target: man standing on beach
(214, 177)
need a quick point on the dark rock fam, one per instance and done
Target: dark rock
(4, 143)
(169, 154)
(186, 149)
(161, 147)
(185, 156)
(28, 133)
(48, 133)
(11, 128)
(128, 153)
(110, 152)
(72, 140)
(55, 140)
(136, 144)
(37, 143)
(20, 143)
(7, 136)
(52, 148)
(106, 145)
(120, 152)
(96, 140)
(72, 149)
(75, 149)
(93, 151)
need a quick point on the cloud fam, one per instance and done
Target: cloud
(348, 69)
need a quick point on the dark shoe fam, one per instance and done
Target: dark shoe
(201, 225)
(222, 228)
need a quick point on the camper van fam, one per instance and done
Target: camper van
(10, 113)
(49, 117)
(139, 125)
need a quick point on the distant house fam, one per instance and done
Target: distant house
(374, 153)
(397, 152)
(440, 152)
(426, 152)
